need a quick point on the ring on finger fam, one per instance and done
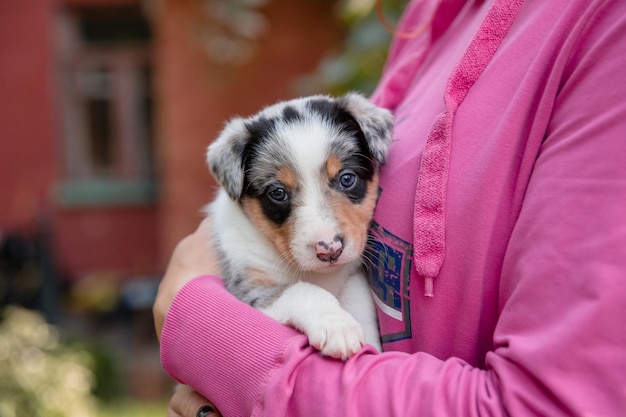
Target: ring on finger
(204, 411)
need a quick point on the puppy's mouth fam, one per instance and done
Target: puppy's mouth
(320, 258)
(321, 267)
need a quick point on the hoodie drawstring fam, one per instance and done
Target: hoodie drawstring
(429, 215)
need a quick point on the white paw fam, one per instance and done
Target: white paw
(337, 336)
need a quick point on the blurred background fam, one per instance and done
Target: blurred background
(106, 109)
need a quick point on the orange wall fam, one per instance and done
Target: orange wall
(121, 240)
(28, 129)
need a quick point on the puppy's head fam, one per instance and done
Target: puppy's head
(305, 172)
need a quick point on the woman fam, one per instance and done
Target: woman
(499, 236)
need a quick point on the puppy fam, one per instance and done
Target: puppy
(299, 182)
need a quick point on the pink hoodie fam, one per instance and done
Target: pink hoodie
(503, 201)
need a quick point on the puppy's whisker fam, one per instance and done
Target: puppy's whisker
(368, 260)
(293, 271)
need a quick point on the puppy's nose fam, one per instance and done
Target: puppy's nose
(329, 251)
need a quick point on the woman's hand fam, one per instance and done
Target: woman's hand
(192, 257)
(187, 403)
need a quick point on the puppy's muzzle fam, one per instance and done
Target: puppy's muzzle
(329, 251)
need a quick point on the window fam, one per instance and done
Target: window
(107, 106)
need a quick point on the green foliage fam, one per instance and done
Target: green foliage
(39, 376)
(360, 63)
(230, 30)
(107, 385)
(133, 409)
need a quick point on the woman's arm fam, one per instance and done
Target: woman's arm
(193, 256)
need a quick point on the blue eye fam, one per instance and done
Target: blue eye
(347, 180)
(278, 194)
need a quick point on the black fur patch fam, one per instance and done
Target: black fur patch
(291, 115)
(361, 160)
(261, 131)
(277, 212)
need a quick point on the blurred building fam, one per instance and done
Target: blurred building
(107, 106)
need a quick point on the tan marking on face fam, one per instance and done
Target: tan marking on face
(279, 236)
(354, 219)
(287, 177)
(333, 166)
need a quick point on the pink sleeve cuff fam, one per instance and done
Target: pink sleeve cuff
(223, 348)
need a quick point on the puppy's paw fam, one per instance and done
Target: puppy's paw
(337, 336)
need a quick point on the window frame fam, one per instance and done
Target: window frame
(130, 178)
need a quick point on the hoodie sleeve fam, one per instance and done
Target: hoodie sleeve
(250, 365)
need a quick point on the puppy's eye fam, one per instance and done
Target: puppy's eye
(278, 194)
(347, 180)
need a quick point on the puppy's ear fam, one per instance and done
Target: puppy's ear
(226, 157)
(375, 122)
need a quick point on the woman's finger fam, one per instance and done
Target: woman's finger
(187, 403)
